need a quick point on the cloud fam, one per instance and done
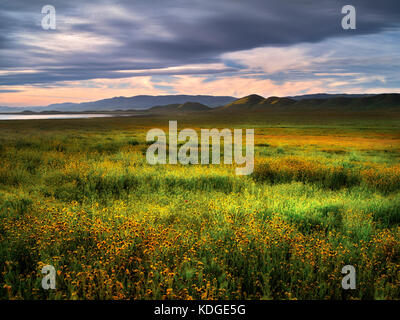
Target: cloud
(240, 86)
(9, 90)
(341, 62)
(271, 59)
(285, 41)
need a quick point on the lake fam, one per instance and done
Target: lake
(51, 116)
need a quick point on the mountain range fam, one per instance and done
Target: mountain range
(328, 96)
(256, 103)
(184, 107)
(126, 103)
(216, 104)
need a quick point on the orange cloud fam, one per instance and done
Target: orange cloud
(82, 91)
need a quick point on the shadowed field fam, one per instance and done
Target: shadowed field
(79, 195)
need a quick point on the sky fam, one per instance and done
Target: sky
(105, 48)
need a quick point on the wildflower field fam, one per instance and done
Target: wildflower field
(80, 196)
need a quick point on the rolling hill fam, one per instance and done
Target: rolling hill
(248, 103)
(256, 103)
(329, 96)
(185, 107)
(124, 103)
(221, 104)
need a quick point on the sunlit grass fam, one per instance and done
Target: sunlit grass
(79, 195)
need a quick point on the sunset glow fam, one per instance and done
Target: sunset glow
(122, 48)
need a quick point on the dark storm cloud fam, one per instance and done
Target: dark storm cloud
(165, 33)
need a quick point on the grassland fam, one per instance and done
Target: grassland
(79, 195)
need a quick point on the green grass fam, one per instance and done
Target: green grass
(79, 195)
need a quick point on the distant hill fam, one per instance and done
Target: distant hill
(381, 102)
(124, 103)
(256, 103)
(247, 103)
(329, 96)
(185, 107)
(4, 109)
(193, 107)
(221, 104)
